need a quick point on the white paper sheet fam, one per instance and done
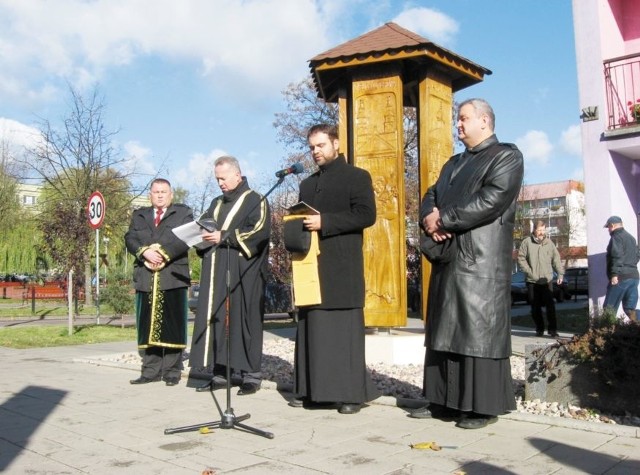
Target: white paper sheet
(190, 233)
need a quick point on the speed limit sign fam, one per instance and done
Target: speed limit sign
(95, 209)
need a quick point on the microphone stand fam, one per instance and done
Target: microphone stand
(228, 420)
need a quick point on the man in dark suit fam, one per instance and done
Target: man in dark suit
(161, 279)
(330, 353)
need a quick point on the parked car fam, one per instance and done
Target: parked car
(520, 293)
(577, 280)
(560, 292)
(194, 290)
(278, 300)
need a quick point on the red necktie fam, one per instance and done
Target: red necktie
(159, 212)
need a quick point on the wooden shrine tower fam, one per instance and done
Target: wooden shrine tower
(372, 78)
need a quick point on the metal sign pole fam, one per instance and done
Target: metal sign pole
(98, 276)
(70, 300)
(95, 212)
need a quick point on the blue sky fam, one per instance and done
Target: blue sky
(187, 81)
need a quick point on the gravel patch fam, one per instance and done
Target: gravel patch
(405, 381)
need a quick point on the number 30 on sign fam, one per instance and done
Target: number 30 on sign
(96, 209)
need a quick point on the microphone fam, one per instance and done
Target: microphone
(293, 169)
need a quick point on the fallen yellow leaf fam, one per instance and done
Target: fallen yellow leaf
(425, 445)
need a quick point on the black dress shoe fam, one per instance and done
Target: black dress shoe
(143, 380)
(309, 404)
(475, 421)
(349, 408)
(434, 410)
(554, 334)
(212, 385)
(298, 402)
(421, 413)
(171, 381)
(248, 388)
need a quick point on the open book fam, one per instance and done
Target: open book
(302, 208)
(191, 233)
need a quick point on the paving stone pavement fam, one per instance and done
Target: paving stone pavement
(65, 410)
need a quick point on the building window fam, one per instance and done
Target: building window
(28, 200)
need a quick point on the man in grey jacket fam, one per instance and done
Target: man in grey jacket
(538, 257)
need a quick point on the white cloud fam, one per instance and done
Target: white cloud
(12, 131)
(571, 140)
(536, 147)
(432, 24)
(260, 43)
(138, 159)
(17, 136)
(198, 170)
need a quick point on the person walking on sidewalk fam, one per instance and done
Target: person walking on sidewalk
(622, 269)
(538, 257)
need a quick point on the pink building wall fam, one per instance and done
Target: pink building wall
(606, 29)
(627, 15)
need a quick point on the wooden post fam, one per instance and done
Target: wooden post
(378, 147)
(435, 116)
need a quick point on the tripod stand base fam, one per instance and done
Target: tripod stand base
(228, 421)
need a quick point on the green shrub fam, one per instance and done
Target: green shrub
(604, 318)
(611, 347)
(117, 294)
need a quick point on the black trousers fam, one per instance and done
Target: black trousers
(237, 376)
(541, 295)
(163, 362)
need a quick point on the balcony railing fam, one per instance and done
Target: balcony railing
(622, 83)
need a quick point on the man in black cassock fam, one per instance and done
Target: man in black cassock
(239, 245)
(470, 212)
(330, 362)
(161, 279)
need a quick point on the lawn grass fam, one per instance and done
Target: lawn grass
(57, 335)
(41, 336)
(12, 308)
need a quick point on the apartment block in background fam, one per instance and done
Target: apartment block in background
(560, 205)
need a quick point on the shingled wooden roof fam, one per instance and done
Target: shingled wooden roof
(390, 42)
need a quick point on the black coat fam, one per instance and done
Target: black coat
(468, 310)
(143, 233)
(344, 196)
(622, 255)
(245, 214)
